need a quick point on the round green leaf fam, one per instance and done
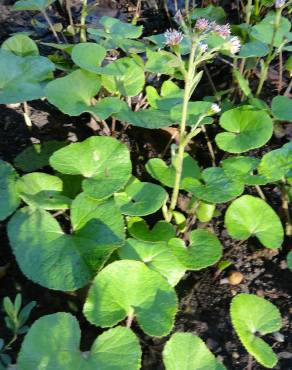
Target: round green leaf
(22, 78)
(20, 44)
(217, 187)
(88, 55)
(103, 161)
(289, 260)
(277, 164)
(282, 108)
(130, 288)
(53, 343)
(248, 216)
(159, 170)
(185, 351)
(161, 231)
(205, 211)
(59, 261)
(157, 256)
(240, 169)
(250, 315)
(37, 156)
(9, 198)
(130, 79)
(253, 49)
(42, 190)
(247, 129)
(204, 250)
(122, 29)
(36, 5)
(141, 198)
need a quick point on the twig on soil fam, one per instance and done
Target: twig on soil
(47, 18)
(209, 145)
(260, 192)
(130, 319)
(285, 207)
(26, 115)
(249, 363)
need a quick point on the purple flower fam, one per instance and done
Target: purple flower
(279, 3)
(173, 37)
(202, 25)
(223, 31)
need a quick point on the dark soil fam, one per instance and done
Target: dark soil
(204, 298)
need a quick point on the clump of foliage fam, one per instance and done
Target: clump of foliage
(132, 268)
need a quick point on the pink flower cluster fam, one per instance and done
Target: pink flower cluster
(203, 25)
(173, 37)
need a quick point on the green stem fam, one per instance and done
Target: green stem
(82, 21)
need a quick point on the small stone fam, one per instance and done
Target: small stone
(235, 278)
(279, 337)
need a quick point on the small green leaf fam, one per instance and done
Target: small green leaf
(20, 44)
(88, 55)
(130, 288)
(128, 77)
(171, 95)
(9, 198)
(242, 82)
(216, 188)
(122, 29)
(157, 256)
(282, 108)
(195, 110)
(289, 260)
(253, 49)
(250, 315)
(161, 231)
(103, 161)
(247, 129)
(36, 5)
(148, 118)
(185, 351)
(141, 198)
(37, 156)
(240, 169)
(204, 250)
(42, 190)
(277, 164)
(161, 62)
(159, 170)
(248, 216)
(205, 211)
(53, 341)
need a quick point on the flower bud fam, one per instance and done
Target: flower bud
(279, 3)
(202, 25)
(215, 108)
(173, 37)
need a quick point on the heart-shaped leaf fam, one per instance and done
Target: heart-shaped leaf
(159, 170)
(37, 156)
(247, 129)
(140, 198)
(122, 29)
(20, 44)
(42, 190)
(9, 198)
(127, 288)
(185, 351)
(53, 341)
(205, 211)
(36, 5)
(148, 118)
(248, 216)
(22, 78)
(240, 169)
(161, 231)
(204, 250)
(103, 161)
(88, 55)
(157, 256)
(59, 261)
(282, 108)
(250, 315)
(277, 164)
(128, 77)
(217, 187)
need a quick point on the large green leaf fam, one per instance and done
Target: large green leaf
(277, 164)
(42, 190)
(9, 198)
(55, 260)
(37, 5)
(88, 55)
(204, 250)
(195, 110)
(161, 231)
(20, 44)
(126, 288)
(252, 315)
(240, 169)
(103, 161)
(247, 129)
(253, 49)
(37, 156)
(157, 256)
(282, 108)
(128, 77)
(217, 187)
(185, 351)
(141, 198)
(123, 30)
(159, 170)
(148, 118)
(53, 342)
(248, 216)
(263, 31)
(22, 78)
